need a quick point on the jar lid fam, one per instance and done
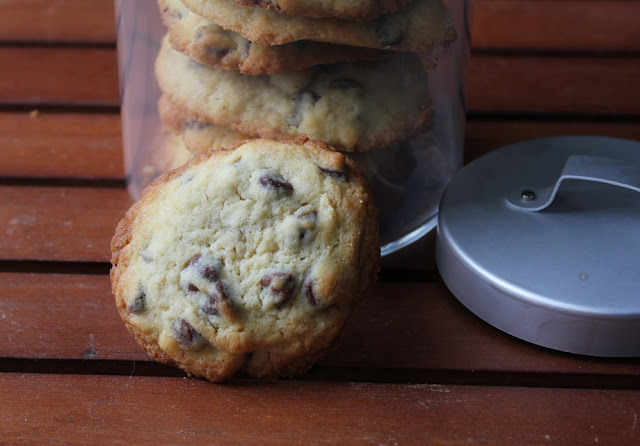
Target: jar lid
(542, 240)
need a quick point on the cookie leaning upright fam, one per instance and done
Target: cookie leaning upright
(246, 260)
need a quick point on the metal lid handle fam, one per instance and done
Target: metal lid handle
(579, 167)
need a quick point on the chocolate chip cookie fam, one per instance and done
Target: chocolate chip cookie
(352, 10)
(172, 153)
(197, 136)
(352, 106)
(247, 260)
(420, 26)
(210, 44)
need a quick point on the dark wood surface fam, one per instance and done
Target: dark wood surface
(413, 367)
(158, 410)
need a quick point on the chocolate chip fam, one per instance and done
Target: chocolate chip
(344, 83)
(208, 267)
(280, 285)
(253, 2)
(388, 32)
(185, 334)
(202, 269)
(212, 46)
(341, 175)
(274, 181)
(214, 301)
(217, 53)
(307, 286)
(210, 306)
(210, 271)
(138, 304)
(198, 125)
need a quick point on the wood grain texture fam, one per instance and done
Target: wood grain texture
(59, 76)
(86, 323)
(57, 223)
(567, 25)
(399, 325)
(60, 145)
(82, 146)
(554, 84)
(40, 223)
(125, 410)
(483, 136)
(572, 59)
(58, 21)
(497, 83)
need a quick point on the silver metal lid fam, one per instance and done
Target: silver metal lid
(565, 275)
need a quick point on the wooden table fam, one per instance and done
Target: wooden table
(414, 366)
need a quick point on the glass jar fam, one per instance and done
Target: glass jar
(398, 111)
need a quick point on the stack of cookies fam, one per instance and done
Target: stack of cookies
(250, 260)
(352, 74)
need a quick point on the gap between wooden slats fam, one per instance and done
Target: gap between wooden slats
(497, 83)
(588, 26)
(414, 326)
(90, 409)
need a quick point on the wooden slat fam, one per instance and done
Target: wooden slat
(58, 21)
(572, 85)
(59, 76)
(124, 410)
(422, 325)
(70, 224)
(497, 83)
(569, 25)
(54, 236)
(399, 325)
(73, 145)
(483, 136)
(498, 24)
(60, 145)
(86, 323)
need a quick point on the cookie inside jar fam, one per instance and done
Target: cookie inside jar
(383, 82)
